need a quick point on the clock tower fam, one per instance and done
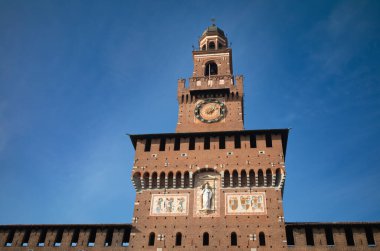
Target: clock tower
(211, 185)
(213, 101)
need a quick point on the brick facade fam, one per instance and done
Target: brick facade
(210, 186)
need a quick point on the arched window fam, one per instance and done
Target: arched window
(269, 177)
(220, 46)
(235, 178)
(162, 180)
(278, 177)
(243, 177)
(205, 239)
(137, 180)
(226, 178)
(146, 180)
(152, 237)
(170, 180)
(203, 47)
(182, 99)
(252, 179)
(233, 239)
(211, 46)
(178, 179)
(186, 179)
(178, 239)
(154, 180)
(262, 239)
(261, 178)
(211, 68)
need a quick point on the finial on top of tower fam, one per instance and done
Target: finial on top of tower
(213, 20)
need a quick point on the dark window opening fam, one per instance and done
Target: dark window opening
(211, 46)
(186, 180)
(9, 240)
(75, 238)
(178, 180)
(41, 239)
(162, 144)
(146, 180)
(178, 239)
(349, 236)
(148, 143)
(203, 47)
(211, 69)
(162, 180)
(58, 238)
(278, 177)
(268, 140)
(154, 180)
(262, 239)
(243, 178)
(237, 141)
(260, 178)
(25, 239)
(207, 143)
(205, 239)
(369, 235)
(137, 180)
(252, 179)
(235, 178)
(252, 141)
(226, 178)
(269, 177)
(220, 46)
(309, 236)
(177, 144)
(152, 236)
(91, 238)
(222, 142)
(233, 239)
(289, 236)
(126, 235)
(108, 240)
(170, 180)
(192, 143)
(329, 236)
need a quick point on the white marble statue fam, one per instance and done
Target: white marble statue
(206, 197)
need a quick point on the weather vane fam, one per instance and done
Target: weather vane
(213, 21)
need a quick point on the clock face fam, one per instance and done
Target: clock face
(210, 110)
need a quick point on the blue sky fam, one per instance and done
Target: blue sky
(76, 76)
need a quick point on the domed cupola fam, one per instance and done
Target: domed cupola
(213, 38)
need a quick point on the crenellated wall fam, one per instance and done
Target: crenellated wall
(96, 237)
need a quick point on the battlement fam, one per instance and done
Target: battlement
(99, 237)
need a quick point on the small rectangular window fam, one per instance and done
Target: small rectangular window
(162, 144)
(309, 236)
(58, 238)
(91, 238)
(207, 143)
(252, 140)
(192, 143)
(369, 235)
(41, 240)
(125, 242)
(11, 235)
(349, 236)
(148, 143)
(268, 140)
(108, 240)
(237, 141)
(75, 238)
(222, 142)
(329, 236)
(289, 236)
(25, 239)
(177, 144)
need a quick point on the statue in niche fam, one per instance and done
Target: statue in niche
(206, 197)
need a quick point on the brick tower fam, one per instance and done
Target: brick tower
(211, 185)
